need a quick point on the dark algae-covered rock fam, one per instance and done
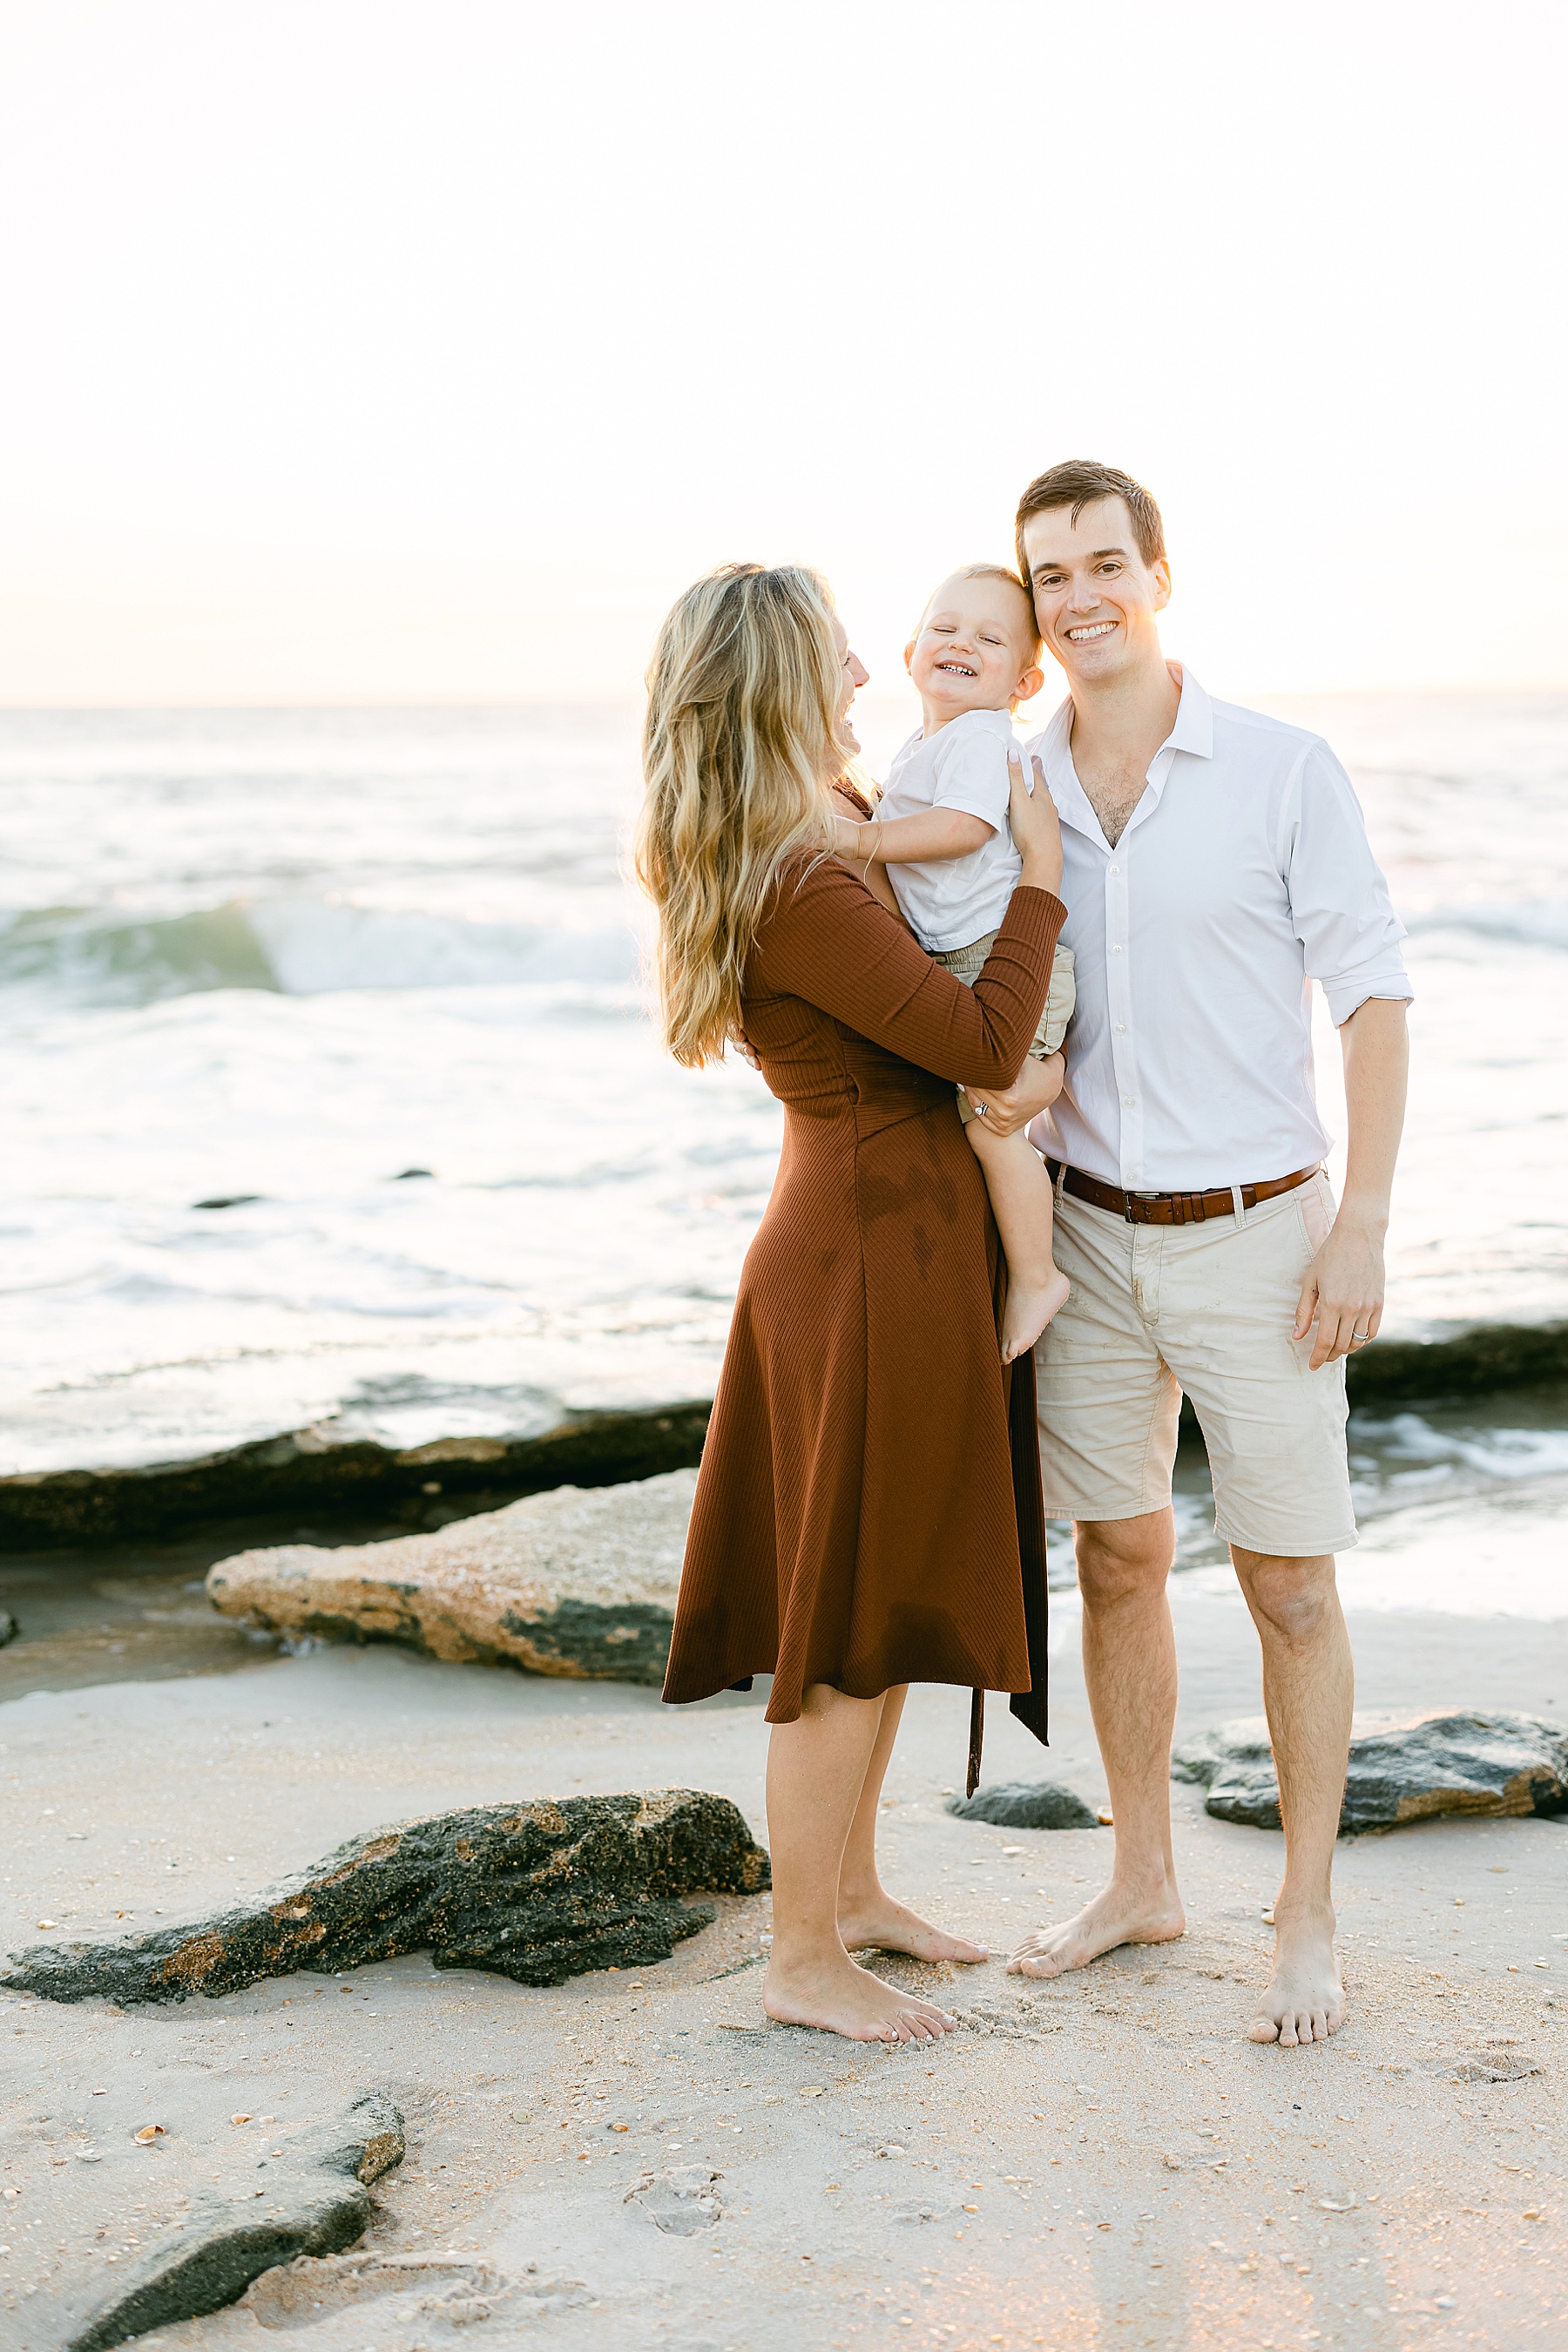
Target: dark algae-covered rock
(317, 2204)
(1494, 1765)
(1025, 1805)
(324, 1469)
(538, 1892)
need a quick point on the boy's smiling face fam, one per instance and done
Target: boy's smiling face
(974, 648)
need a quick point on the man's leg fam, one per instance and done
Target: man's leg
(1308, 1691)
(1130, 1666)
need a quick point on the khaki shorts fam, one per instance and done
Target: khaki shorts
(968, 963)
(1157, 1309)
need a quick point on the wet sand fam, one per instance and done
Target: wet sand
(1103, 2161)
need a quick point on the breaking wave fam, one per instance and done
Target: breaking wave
(294, 947)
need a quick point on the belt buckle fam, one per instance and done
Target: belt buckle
(1130, 1213)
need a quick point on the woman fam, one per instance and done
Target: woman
(869, 1508)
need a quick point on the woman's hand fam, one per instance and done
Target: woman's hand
(744, 1047)
(1008, 1108)
(1037, 836)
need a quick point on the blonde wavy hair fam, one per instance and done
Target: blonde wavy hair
(740, 749)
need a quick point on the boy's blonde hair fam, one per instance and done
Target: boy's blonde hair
(990, 571)
(741, 748)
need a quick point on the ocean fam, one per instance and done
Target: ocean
(330, 1097)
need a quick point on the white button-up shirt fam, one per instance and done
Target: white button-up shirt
(1243, 875)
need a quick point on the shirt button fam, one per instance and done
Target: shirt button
(1116, 951)
(1122, 1028)
(1115, 869)
(1129, 1100)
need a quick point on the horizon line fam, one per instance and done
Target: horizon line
(483, 703)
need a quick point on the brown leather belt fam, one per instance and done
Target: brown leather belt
(1171, 1208)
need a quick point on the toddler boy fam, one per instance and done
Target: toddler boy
(942, 831)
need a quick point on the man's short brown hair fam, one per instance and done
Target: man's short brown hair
(1076, 482)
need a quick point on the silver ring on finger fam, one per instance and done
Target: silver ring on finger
(978, 1110)
(1360, 1339)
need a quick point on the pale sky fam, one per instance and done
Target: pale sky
(396, 349)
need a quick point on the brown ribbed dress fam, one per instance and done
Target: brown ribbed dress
(869, 1508)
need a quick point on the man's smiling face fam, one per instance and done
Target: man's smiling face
(1095, 598)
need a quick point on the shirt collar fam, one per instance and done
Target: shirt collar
(1194, 729)
(1192, 732)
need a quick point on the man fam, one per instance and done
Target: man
(1216, 860)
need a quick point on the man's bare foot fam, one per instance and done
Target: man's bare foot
(1028, 1311)
(839, 1998)
(1305, 2000)
(1113, 1917)
(882, 1924)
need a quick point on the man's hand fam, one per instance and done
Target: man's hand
(1344, 1289)
(1342, 1293)
(1008, 1108)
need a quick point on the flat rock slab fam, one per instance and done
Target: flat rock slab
(579, 1582)
(138, 2235)
(1025, 1805)
(1493, 1765)
(537, 1892)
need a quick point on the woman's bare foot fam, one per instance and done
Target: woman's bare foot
(1114, 1917)
(839, 1998)
(881, 1924)
(1305, 2000)
(1028, 1311)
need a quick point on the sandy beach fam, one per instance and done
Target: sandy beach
(1101, 2160)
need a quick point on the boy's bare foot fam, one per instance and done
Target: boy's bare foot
(1305, 2000)
(1028, 1312)
(882, 1924)
(1115, 1916)
(839, 1998)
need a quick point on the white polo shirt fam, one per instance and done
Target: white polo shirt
(1243, 874)
(954, 901)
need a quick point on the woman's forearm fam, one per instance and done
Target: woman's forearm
(1042, 871)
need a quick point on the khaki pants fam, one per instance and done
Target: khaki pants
(968, 963)
(1209, 1309)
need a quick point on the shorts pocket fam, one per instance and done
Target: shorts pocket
(1315, 1210)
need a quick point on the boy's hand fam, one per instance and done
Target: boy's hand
(847, 844)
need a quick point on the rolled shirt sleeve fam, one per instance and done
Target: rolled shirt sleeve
(1340, 903)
